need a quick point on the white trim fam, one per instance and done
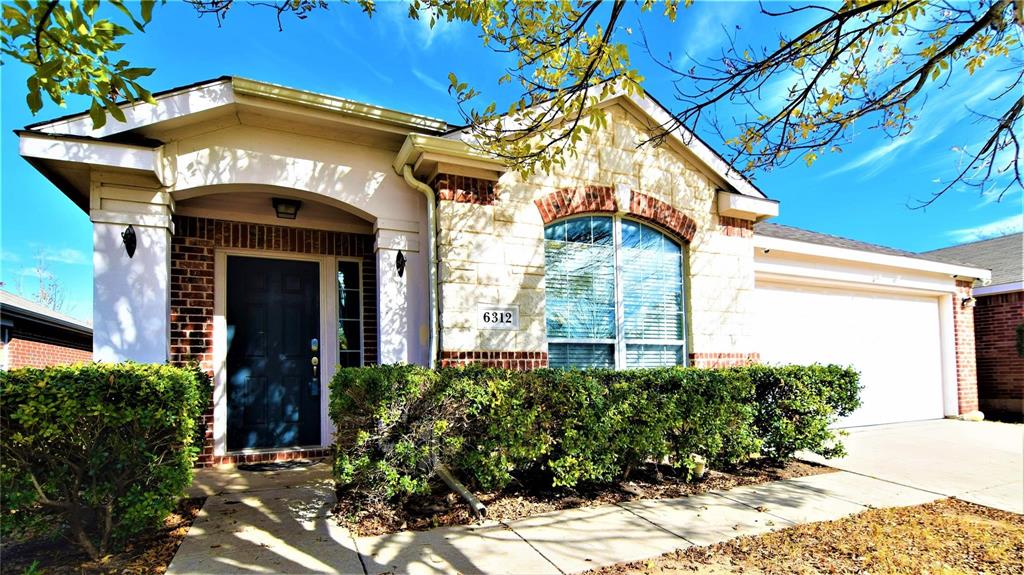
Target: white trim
(998, 289)
(92, 153)
(746, 207)
(947, 341)
(175, 104)
(328, 288)
(806, 248)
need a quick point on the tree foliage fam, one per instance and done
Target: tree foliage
(71, 51)
(856, 65)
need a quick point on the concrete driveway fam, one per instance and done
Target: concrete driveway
(980, 462)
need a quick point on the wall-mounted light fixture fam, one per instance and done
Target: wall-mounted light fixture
(968, 302)
(129, 240)
(286, 209)
(400, 263)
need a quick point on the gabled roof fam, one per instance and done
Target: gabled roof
(201, 96)
(1003, 255)
(15, 305)
(209, 95)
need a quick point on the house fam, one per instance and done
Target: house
(32, 335)
(998, 320)
(273, 234)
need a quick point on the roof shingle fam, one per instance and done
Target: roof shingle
(1003, 255)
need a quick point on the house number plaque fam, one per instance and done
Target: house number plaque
(497, 317)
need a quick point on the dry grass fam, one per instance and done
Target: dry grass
(944, 537)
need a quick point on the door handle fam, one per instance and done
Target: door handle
(315, 361)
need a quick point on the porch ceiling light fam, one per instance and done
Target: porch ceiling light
(286, 209)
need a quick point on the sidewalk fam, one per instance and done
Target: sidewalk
(282, 524)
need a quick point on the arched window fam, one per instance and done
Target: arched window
(614, 294)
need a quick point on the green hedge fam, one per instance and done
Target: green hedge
(105, 449)
(567, 427)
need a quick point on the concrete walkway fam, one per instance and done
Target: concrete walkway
(981, 462)
(280, 523)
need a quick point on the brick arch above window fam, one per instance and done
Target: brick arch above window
(566, 202)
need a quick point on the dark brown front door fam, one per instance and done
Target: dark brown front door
(273, 316)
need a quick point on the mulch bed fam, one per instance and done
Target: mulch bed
(444, 508)
(947, 536)
(150, 552)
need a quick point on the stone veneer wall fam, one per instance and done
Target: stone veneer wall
(193, 248)
(491, 244)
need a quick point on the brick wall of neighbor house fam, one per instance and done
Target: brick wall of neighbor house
(192, 284)
(966, 364)
(26, 353)
(1000, 368)
(491, 243)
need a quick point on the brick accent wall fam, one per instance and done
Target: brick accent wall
(518, 360)
(264, 457)
(735, 227)
(1000, 368)
(966, 363)
(27, 353)
(465, 190)
(723, 359)
(193, 248)
(589, 199)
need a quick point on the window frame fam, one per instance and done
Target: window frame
(620, 342)
(338, 318)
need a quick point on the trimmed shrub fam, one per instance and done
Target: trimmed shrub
(580, 426)
(104, 450)
(393, 423)
(797, 404)
(563, 428)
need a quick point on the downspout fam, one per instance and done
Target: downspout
(432, 286)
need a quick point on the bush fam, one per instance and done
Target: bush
(106, 448)
(796, 405)
(392, 425)
(579, 426)
(563, 428)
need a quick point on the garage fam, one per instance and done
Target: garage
(893, 339)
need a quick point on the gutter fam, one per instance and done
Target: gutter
(432, 285)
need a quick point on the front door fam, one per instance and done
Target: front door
(273, 318)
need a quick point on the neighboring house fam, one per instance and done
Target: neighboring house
(32, 335)
(998, 319)
(279, 233)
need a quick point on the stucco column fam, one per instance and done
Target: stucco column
(401, 298)
(131, 295)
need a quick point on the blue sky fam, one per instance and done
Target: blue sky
(863, 193)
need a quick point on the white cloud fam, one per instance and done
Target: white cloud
(65, 256)
(7, 256)
(397, 13)
(1009, 225)
(430, 82)
(877, 159)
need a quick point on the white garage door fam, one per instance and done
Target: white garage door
(892, 339)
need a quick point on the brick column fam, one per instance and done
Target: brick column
(966, 362)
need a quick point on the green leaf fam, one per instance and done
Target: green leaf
(35, 100)
(99, 117)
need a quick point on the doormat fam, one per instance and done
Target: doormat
(276, 465)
